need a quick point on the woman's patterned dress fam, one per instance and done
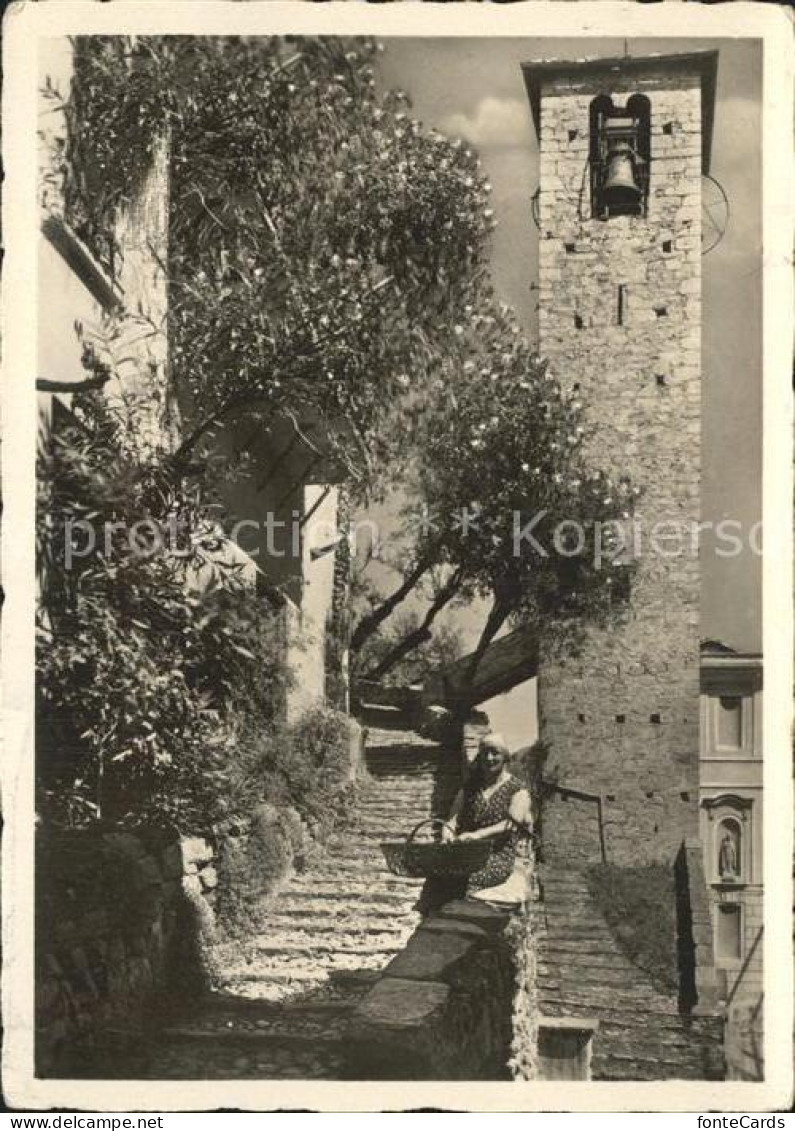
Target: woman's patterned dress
(478, 812)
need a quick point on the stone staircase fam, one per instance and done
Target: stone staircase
(583, 972)
(281, 1005)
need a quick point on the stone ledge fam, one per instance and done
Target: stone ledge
(577, 1024)
(400, 1003)
(433, 956)
(442, 1009)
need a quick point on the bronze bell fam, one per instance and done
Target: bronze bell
(621, 188)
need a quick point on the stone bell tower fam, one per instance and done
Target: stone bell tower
(623, 145)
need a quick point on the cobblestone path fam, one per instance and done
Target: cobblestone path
(279, 1010)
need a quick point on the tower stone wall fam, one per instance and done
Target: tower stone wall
(620, 322)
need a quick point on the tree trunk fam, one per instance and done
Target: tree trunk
(494, 622)
(423, 631)
(368, 624)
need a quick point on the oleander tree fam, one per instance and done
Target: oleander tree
(505, 499)
(323, 244)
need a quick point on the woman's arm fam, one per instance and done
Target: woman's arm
(487, 832)
(452, 819)
(518, 814)
(520, 810)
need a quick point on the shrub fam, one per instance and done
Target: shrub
(142, 678)
(277, 781)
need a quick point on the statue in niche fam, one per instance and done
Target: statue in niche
(728, 856)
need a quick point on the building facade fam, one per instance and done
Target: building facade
(731, 832)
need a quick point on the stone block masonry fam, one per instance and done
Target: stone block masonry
(620, 323)
(121, 918)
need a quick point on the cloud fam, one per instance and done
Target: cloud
(497, 123)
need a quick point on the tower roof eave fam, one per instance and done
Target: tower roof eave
(536, 74)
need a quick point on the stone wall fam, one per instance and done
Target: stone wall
(698, 979)
(622, 717)
(746, 996)
(140, 390)
(121, 919)
(745, 1041)
(443, 1008)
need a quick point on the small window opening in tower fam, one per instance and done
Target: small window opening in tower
(621, 589)
(655, 718)
(570, 248)
(661, 311)
(622, 302)
(668, 246)
(578, 322)
(660, 379)
(581, 717)
(621, 718)
(619, 156)
(685, 795)
(668, 128)
(573, 134)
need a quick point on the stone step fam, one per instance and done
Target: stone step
(300, 975)
(306, 964)
(561, 879)
(406, 735)
(562, 872)
(404, 770)
(341, 902)
(566, 947)
(670, 1043)
(364, 840)
(310, 946)
(310, 916)
(571, 897)
(369, 857)
(319, 924)
(384, 829)
(613, 1067)
(260, 1033)
(599, 972)
(403, 816)
(219, 1008)
(186, 1059)
(596, 932)
(573, 913)
(410, 810)
(356, 879)
(572, 1001)
(401, 740)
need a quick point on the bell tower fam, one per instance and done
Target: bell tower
(623, 146)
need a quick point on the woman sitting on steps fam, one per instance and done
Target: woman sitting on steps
(492, 805)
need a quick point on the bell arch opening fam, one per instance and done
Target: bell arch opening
(619, 156)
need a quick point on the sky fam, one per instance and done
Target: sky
(473, 88)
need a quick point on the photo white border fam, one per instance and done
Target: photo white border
(24, 25)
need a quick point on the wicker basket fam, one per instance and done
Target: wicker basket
(410, 857)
